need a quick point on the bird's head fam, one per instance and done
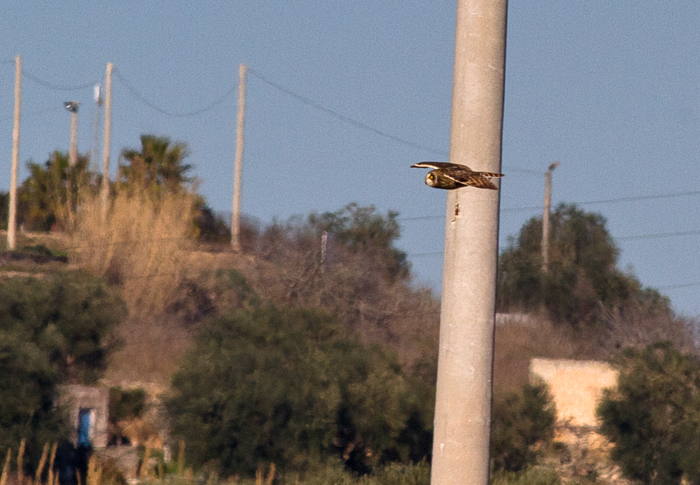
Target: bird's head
(431, 179)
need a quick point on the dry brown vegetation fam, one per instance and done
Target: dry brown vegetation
(515, 345)
(355, 286)
(636, 326)
(142, 245)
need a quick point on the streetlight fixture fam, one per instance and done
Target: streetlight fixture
(72, 108)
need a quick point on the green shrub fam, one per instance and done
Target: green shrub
(126, 404)
(520, 421)
(70, 316)
(290, 387)
(530, 476)
(653, 417)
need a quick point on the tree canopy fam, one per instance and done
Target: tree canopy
(653, 416)
(69, 315)
(582, 275)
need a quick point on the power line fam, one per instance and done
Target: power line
(587, 202)
(640, 197)
(621, 238)
(657, 235)
(175, 114)
(364, 126)
(57, 87)
(432, 253)
(681, 285)
(342, 117)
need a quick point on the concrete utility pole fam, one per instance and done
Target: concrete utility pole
(99, 101)
(545, 216)
(107, 139)
(238, 166)
(464, 382)
(12, 220)
(72, 108)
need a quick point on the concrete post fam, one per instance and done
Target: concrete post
(107, 139)
(238, 164)
(545, 215)
(463, 400)
(12, 219)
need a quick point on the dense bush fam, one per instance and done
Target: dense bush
(53, 330)
(653, 417)
(69, 316)
(519, 422)
(358, 275)
(290, 387)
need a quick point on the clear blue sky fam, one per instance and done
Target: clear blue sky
(609, 89)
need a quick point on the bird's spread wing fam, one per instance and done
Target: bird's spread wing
(471, 178)
(439, 165)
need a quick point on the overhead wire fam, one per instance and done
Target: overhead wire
(680, 285)
(657, 235)
(344, 118)
(585, 202)
(186, 114)
(56, 87)
(618, 238)
(359, 124)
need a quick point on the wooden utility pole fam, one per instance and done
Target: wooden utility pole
(12, 220)
(464, 381)
(238, 166)
(107, 139)
(545, 216)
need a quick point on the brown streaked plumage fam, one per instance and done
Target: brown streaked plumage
(450, 176)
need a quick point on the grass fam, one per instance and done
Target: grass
(531, 476)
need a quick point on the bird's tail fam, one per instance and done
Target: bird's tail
(482, 182)
(490, 174)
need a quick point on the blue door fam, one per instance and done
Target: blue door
(84, 416)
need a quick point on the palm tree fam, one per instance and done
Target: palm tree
(44, 194)
(159, 165)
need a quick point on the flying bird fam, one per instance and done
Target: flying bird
(450, 176)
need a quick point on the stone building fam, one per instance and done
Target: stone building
(88, 412)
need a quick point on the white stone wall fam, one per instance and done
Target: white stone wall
(575, 385)
(74, 397)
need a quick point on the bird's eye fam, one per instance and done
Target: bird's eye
(431, 176)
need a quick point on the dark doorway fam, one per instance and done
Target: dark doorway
(84, 424)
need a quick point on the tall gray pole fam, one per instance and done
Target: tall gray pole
(12, 220)
(72, 107)
(464, 382)
(107, 139)
(545, 216)
(73, 156)
(238, 166)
